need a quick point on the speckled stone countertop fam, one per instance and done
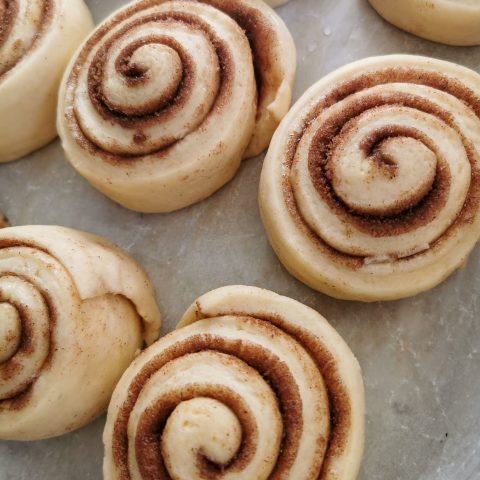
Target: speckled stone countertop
(420, 356)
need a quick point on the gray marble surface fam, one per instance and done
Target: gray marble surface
(420, 356)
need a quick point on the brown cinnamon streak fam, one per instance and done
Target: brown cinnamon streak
(8, 16)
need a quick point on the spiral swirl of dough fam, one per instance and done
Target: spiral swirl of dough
(453, 22)
(166, 97)
(251, 385)
(74, 312)
(370, 189)
(37, 39)
(276, 3)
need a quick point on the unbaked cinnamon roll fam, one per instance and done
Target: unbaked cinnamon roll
(37, 39)
(454, 22)
(250, 385)
(74, 312)
(276, 3)
(370, 188)
(166, 97)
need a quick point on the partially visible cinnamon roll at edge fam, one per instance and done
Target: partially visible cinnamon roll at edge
(450, 22)
(74, 312)
(37, 40)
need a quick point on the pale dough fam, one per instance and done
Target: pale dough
(41, 36)
(370, 188)
(454, 22)
(75, 310)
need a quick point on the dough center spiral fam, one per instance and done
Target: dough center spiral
(385, 171)
(10, 331)
(153, 71)
(377, 169)
(26, 342)
(203, 426)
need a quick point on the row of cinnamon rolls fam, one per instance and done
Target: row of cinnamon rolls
(135, 76)
(369, 190)
(250, 385)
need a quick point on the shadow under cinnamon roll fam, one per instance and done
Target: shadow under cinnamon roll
(166, 97)
(75, 311)
(251, 385)
(37, 39)
(370, 188)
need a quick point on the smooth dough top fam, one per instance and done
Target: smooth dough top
(454, 22)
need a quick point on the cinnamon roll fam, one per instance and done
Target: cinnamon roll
(74, 311)
(250, 385)
(445, 21)
(37, 39)
(165, 98)
(370, 188)
(3, 221)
